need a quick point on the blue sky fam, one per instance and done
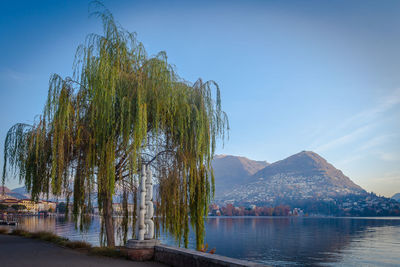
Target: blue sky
(294, 75)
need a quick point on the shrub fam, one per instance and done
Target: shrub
(204, 248)
(20, 232)
(107, 252)
(77, 244)
(3, 231)
(48, 236)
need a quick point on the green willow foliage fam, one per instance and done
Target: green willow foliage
(120, 110)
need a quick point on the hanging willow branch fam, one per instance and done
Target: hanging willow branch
(122, 109)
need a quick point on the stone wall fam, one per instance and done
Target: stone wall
(181, 257)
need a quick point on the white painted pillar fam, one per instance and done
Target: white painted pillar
(149, 205)
(137, 207)
(142, 204)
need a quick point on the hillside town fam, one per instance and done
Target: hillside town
(350, 205)
(284, 186)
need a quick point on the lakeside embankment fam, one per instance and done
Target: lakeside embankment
(30, 249)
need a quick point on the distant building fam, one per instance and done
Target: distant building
(214, 210)
(46, 205)
(297, 212)
(9, 201)
(31, 206)
(118, 208)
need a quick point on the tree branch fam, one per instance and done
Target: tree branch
(158, 154)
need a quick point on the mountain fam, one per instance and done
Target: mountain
(396, 197)
(20, 193)
(5, 192)
(20, 190)
(12, 193)
(231, 171)
(304, 175)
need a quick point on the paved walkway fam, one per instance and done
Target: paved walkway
(17, 251)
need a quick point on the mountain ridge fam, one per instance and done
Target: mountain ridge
(304, 175)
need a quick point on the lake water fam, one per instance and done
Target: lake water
(277, 241)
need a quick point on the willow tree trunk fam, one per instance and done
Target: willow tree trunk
(108, 221)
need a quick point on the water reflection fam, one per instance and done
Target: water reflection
(274, 240)
(303, 241)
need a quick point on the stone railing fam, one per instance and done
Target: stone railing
(181, 257)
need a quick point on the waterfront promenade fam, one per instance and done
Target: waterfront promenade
(17, 251)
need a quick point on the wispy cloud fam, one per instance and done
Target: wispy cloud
(386, 156)
(361, 126)
(345, 139)
(386, 103)
(369, 148)
(351, 159)
(375, 141)
(9, 74)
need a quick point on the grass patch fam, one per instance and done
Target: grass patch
(20, 232)
(107, 252)
(78, 244)
(50, 237)
(42, 235)
(3, 231)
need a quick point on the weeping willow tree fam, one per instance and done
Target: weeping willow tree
(119, 110)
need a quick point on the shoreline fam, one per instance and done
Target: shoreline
(163, 254)
(310, 216)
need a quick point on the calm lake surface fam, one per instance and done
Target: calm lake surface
(277, 241)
